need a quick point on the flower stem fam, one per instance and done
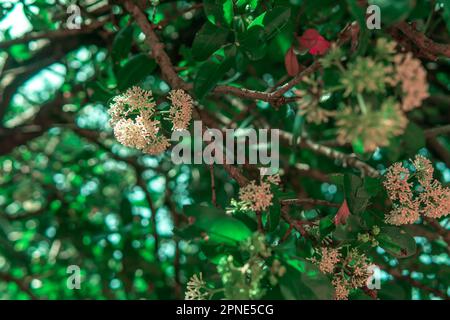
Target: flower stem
(362, 104)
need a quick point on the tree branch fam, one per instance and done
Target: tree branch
(169, 74)
(433, 132)
(438, 149)
(52, 35)
(440, 230)
(307, 201)
(426, 46)
(157, 48)
(398, 275)
(347, 160)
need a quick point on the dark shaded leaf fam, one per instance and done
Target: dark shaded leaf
(210, 73)
(208, 40)
(397, 242)
(122, 44)
(219, 227)
(134, 70)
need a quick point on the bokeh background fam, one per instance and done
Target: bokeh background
(71, 195)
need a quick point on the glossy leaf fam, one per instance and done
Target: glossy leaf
(219, 12)
(122, 44)
(272, 21)
(219, 227)
(210, 73)
(209, 39)
(394, 11)
(397, 242)
(134, 70)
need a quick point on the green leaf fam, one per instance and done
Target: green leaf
(258, 21)
(326, 225)
(355, 193)
(296, 131)
(337, 179)
(372, 185)
(357, 12)
(219, 227)
(219, 12)
(209, 73)
(413, 139)
(274, 215)
(208, 40)
(121, 45)
(358, 146)
(397, 242)
(40, 20)
(253, 43)
(446, 13)
(288, 247)
(350, 230)
(394, 11)
(126, 210)
(20, 52)
(272, 21)
(304, 281)
(98, 93)
(134, 70)
(253, 4)
(393, 291)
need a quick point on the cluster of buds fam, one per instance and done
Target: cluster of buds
(429, 198)
(374, 124)
(349, 272)
(196, 288)
(413, 78)
(259, 197)
(133, 119)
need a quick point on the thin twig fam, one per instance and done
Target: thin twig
(438, 149)
(426, 46)
(398, 275)
(213, 185)
(433, 132)
(52, 35)
(287, 233)
(347, 160)
(307, 201)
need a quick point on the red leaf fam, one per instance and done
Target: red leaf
(291, 62)
(354, 34)
(308, 39)
(312, 40)
(342, 214)
(321, 47)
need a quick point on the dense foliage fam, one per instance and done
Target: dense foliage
(92, 90)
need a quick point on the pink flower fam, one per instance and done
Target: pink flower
(431, 200)
(181, 109)
(258, 196)
(436, 200)
(404, 214)
(396, 183)
(330, 257)
(341, 287)
(413, 77)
